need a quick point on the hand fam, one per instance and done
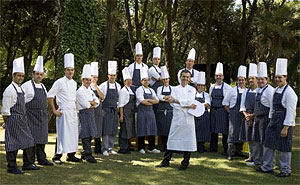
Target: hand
(250, 122)
(93, 103)
(206, 105)
(121, 119)
(166, 98)
(284, 132)
(57, 113)
(193, 106)
(3, 126)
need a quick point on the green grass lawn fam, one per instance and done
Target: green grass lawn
(136, 168)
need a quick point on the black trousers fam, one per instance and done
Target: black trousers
(58, 156)
(39, 151)
(200, 146)
(214, 141)
(87, 146)
(164, 140)
(97, 143)
(141, 142)
(168, 155)
(11, 158)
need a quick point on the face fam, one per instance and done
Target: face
(94, 79)
(166, 81)
(280, 80)
(145, 82)
(219, 78)
(185, 78)
(200, 88)
(156, 61)
(189, 63)
(112, 78)
(262, 81)
(86, 82)
(241, 82)
(128, 82)
(139, 58)
(37, 76)
(18, 78)
(252, 81)
(69, 72)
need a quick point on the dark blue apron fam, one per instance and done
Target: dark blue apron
(273, 139)
(237, 132)
(261, 119)
(17, 132)
(202, 124)
(37, 114)
(249, 104)
(98, 117)
(87, 122)
(136, 78)
(218, 114)
(109, 106)
(164, 115)
(157, 83)
(146, 123)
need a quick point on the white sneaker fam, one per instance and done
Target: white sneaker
(112, 152)
(154, 151)
(250, 164)
(105, 153)
(142, 151)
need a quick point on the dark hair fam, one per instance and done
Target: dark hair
(185, 71)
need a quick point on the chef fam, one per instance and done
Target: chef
(232, 102)
(279, 130)
(110, 89)
(136, 67)
(164, 111)
(182, 136)
(263, 101)
(17, 132)
(64, 90)
(97, 110)
(190, 61)
(127, 117)
(37, 113)
(146, 123)
(202, 123)
(155, 71)
(247, 108)
(86, 102)
(218, 114)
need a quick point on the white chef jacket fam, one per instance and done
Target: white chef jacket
(193, 80)
(243, 101)
(9, 98)
(153, 73)
(140, 94)
(137, 66)
(84, 96)
(289, 101)
(226, 88)
(124, 96)
(267, 96)
(29, 90)
(206, 97)
(103, 87)
(159, 92)
(231, 96)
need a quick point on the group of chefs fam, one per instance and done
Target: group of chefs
(184, 116)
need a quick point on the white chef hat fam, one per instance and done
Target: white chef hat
(112, 67)
(86, 71)
(156, 52)
(126, 74)
(219, 68)
(201, 78)
(164, 72)
(252, 70)
(69, 60)
(39, 66)
(281, 66)
(138, 49)
(18, 65)
(144, 73)
(94, 68)
(192, 54)
(262, 70)
(242, 71)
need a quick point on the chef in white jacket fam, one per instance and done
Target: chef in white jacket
(182, 136)
(64, 89)
(155, 71)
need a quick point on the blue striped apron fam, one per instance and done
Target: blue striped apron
(164, 115)
(98, 117)
(202, 123)
(88, 125)
(109, 106)
(37, 114)
(273, 139)
(136, 78)
(17, 132)
(218, 114)
(249, 104)
(146, 124)
(157, 83)
(261, 119)
(237, 132)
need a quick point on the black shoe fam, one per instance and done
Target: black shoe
(212, 150)
(249, 160)
(262, 171)
(162, 165)
(124, 152)
(183, 167)
(73, 159)
(91, 159)
(31, 167)
(224, 153)
(15, 171)
(46, 163)
(282, 174)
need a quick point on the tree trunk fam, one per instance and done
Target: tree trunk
(208, 37)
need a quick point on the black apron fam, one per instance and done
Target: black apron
(37, 114)
(109, 106)
(17, 132)
(157, 83)
(202, 124)
(87, 122)
(273, 139)
(98, 117)
(164, 115)
(249, 104)
(136, 78)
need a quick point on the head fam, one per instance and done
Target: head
(241, 82)
(94, 79)
(139, 58)
(219, 77)
(189, 63)
(69, 72)
(86, 82)
(262, 81)
(252, 81)
(112, 78)
(185, 77)
(37, 76)
(128, 82)
(166, 81)
(280, 80)
(145, 82)
(200, 87)
(18, 77)
(156, 61)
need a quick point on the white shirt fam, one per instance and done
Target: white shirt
(84, 96)
(137, 66)
(226, 88)
(243, 101)
(140, 94)
(289, 101)
(65, 91)
(159, 92)
(231, 96)
(185, 96)
(206, 97)
(193, 80)
(9, 98)
(124, 96)
(103, 87)
(29, 91)
(267, 96)
(153, 73)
